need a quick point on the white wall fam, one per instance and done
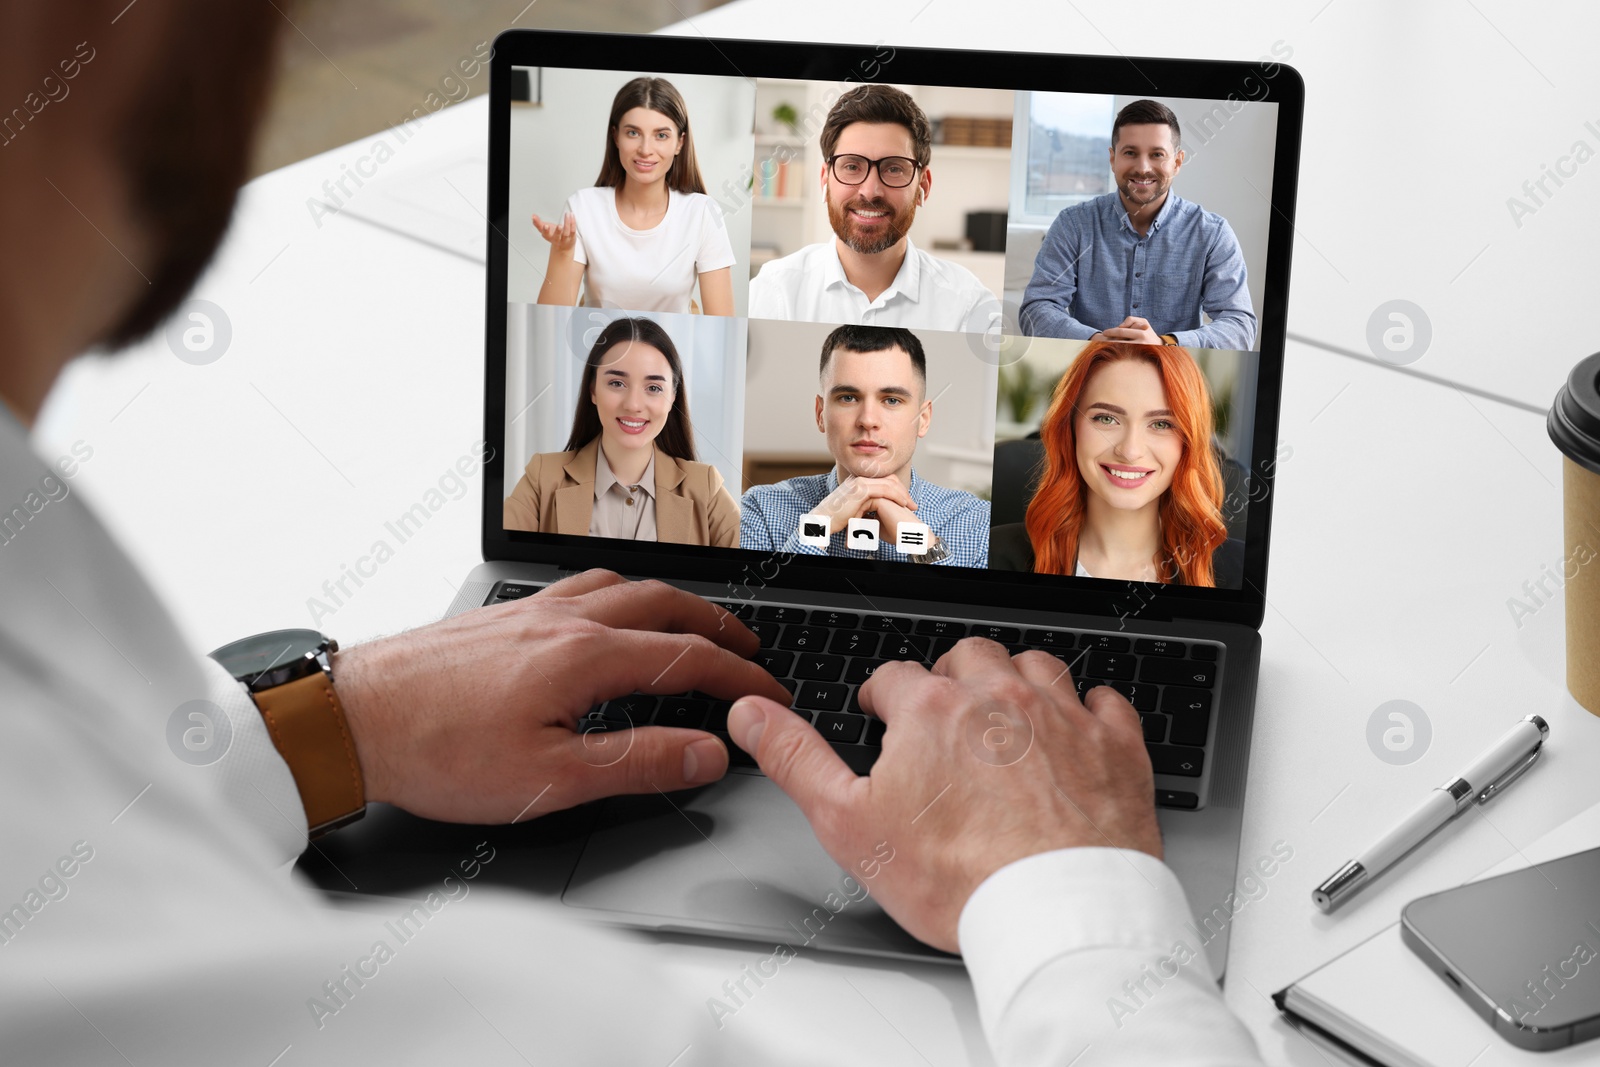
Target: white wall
(558, 146)
(958, 451)
(545, 352)
(1225, 154)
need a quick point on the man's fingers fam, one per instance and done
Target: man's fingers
(973, 655)
(1044, 670)
(579, 584)
(653, 605)
(642, 760)
(1111, 708)
(796, 757)
(648, 662)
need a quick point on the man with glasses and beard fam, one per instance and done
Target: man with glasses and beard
(876, 145)
(1140, 263)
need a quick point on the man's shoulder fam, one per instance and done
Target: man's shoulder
(1197, 215)
(951, 501)
(948, 274)
(799, 491)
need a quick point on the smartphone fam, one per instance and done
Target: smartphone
(1522, 949)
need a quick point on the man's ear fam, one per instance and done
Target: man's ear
(924, 418)
(820, 427)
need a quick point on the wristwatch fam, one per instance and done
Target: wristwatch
(289, 675)
(936, 553)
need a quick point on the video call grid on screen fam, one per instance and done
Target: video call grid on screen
(1002, 164)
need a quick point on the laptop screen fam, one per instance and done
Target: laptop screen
(877, 328)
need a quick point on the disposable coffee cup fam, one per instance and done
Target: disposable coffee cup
(1574, 426)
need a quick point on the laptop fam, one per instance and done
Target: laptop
(750, 291)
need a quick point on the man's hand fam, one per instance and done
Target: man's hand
(473, 719)
(856, 496)
(1133, 328)
(890, 516)
(987, 760)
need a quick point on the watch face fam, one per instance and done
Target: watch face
(249, 657)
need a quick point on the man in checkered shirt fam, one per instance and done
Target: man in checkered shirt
(873, 407)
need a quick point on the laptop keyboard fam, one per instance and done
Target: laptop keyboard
(823, 656)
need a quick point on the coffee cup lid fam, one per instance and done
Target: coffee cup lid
(1574, 421)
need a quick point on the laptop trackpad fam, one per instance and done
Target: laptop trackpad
(735, 859)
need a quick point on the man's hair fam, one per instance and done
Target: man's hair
(879, 103)
(875, 339)
(1146, 113)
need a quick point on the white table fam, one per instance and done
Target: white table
(1408, 513)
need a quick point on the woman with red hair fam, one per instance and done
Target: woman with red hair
(1131, 488)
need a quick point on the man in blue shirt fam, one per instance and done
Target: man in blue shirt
(1141, 263)
(873, 407)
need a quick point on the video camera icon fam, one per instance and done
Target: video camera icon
(862, 535)
(813, 531)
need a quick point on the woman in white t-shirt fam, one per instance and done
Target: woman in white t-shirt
(646, 232)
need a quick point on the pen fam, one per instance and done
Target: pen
(1487, 775)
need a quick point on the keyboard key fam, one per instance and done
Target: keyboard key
(1155, 727)
(860, 670)
(739, 609)
(1158, 646)
(1109, 666)
(821, 696)
(1205, 652)
(1005, 635)
(1051, 638)
(804, 638)
(941, 645)
(803, 713)
(835, 620)
(776, 613)
(682, 711)
(717, 716)
(737, 757)
(844, 729)
(855, 702)
(941, 628)
(1104, 642)
(1169, 759)
(1174, 798)
(1177, 672)
(854, 643)
(515, 590)
(775, 661)
(858, 758)
(1176, 700)
(875, 731)
(895, 624)
(820, 667)
(1190, 728)
(635, 709)
(767, 631)
(904, 648)
(1142, 695)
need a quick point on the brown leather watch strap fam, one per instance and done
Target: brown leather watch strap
(307, 725)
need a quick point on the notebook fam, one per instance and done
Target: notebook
(1379, 1004)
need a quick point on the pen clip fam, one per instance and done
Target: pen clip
(1521, 768)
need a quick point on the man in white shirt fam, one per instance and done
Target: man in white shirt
(876, 147)
(145, 914)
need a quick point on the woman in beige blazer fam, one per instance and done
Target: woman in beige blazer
(629, 469)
